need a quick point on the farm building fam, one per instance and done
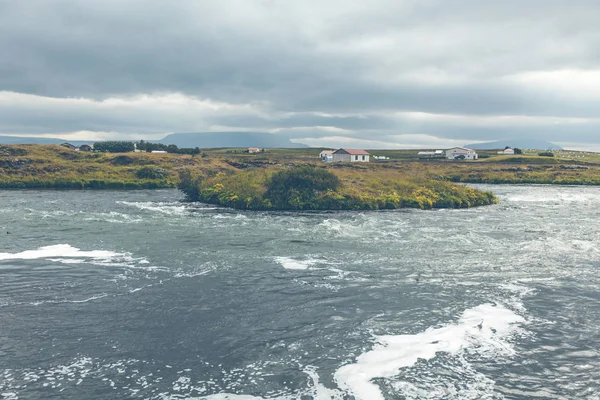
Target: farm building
(350, 155)
(463, 153)
(507, 151)
(85, 147)
(326, 155)
(254, 150)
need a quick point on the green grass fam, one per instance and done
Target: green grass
(49, 166)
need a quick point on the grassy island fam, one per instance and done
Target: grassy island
(322, 188)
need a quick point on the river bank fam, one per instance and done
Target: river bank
(56, 167)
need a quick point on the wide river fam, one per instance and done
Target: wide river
(136, 295)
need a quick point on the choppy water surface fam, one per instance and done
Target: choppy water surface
(136, 295)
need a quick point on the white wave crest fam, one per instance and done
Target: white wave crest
(59, 250)
(483, 329)
(291, 263)
(67, 254)
(169, 208)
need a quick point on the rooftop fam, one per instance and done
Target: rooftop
(355, 151)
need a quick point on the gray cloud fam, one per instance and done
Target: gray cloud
(303, 69)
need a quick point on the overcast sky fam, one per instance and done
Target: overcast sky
(374, 74)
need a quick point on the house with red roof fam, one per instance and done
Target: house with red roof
(350, 155)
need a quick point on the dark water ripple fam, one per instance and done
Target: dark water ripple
(137, 295)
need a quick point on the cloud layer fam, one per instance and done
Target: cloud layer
(401, 73)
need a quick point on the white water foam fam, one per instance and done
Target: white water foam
(169, 208)
(484, 329)
(67, 254)
(291, 263)
(567, 196)
(59, 250)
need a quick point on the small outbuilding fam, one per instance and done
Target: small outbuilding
(350, 155)
(158, 152)
(85, 147)
(254, 150)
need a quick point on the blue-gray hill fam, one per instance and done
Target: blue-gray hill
(519, 143)
(229, 139)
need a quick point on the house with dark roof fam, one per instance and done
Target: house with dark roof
(350, 155)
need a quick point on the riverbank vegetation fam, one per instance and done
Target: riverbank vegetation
(50, 166)
(56, 167)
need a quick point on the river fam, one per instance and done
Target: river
(136, 295)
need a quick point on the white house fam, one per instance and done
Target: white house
(158, 152)
(326, 155)
(461, 153)
(350, 155)
(254, 150)
(507, 151)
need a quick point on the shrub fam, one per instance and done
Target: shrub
(122, 160)
(299, 188)
(546, 154)
(151, 173)
(114, 147)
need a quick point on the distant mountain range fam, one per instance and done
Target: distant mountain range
(37, 140)
(198, 139)
(519, 143)
(229, 139)
(260, 139)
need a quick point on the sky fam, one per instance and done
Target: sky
(333, 73)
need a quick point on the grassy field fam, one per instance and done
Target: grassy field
(47, 166)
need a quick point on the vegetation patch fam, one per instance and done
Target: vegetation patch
(151, 173)
(313, 188)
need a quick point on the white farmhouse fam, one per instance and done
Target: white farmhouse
(350, 155)
(461, 153)
(507, 151)
(326, 155)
